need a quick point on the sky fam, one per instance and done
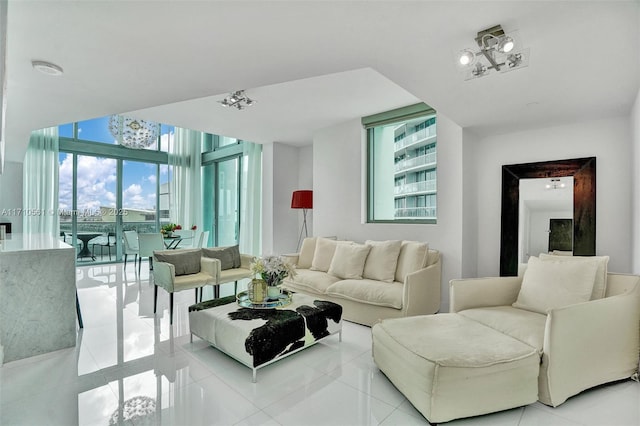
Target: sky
(97, 177)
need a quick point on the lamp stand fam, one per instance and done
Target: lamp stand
(303, 228)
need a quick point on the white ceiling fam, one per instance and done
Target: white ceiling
(312, 64)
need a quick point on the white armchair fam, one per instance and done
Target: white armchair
(177, 270)
(581, 345)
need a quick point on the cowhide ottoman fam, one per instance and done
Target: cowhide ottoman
(259, 337)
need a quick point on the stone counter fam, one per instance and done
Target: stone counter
(37, 296)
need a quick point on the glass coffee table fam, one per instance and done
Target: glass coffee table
(282, 300)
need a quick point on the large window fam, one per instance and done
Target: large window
(402, 164)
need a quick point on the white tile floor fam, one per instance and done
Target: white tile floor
(128, 363)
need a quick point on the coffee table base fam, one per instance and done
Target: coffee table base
(260, 337)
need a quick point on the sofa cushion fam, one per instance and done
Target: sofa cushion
(348, 261)
(186, 261)
(526, 326)
(306, 252)
(229, 256)
(413, 256)
(552, 284)
(323, 254)
(600, 284)
(306, 280)
(382, 260)
(369, 291)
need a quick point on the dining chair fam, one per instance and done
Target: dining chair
(148, 243)
(131, 246)
(108, 241)
(203, 241)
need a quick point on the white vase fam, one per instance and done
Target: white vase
(273, 291)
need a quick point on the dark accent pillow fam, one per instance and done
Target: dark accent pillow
(229, 256)
(186, 261)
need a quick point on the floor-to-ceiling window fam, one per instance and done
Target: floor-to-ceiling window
(106, 188)
(221, 188)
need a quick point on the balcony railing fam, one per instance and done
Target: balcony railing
(415, 187)
(417, 212)
(421, 160)
(415, 137)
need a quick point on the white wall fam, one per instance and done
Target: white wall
(606, 139)
(11, 195)
(285, 169)
(340, 194)
(635, 184)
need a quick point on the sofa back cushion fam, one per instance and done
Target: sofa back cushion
(348, 261)
(185, 261)
(413, 256)
(229, 256)
(306, 252)
(553, 284)
(323, 254)
(600, 284)
(382, 260)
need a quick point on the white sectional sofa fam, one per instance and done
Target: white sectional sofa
(372, 281)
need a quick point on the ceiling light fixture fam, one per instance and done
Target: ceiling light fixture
(555, 184)
(132, 132)
(497, 52)
(237, 100)
(47, 68)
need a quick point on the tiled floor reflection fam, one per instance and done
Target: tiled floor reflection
(130, 367)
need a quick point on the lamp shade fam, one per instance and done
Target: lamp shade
(302, 199)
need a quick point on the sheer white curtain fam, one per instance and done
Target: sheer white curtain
(251, 200)
(40, 186)
(185, 161)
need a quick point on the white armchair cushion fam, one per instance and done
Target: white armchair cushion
(382, 260)
(600, 284)
(413, 256)
(348, 261)
(553, 284)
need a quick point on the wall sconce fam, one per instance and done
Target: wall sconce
(499, 51)
(302, 200)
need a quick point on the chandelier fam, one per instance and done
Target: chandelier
(498, 51)
(237, 100)
(133, 132)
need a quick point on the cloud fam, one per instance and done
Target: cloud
(96, 185)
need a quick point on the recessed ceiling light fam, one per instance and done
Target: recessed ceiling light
(47, 68)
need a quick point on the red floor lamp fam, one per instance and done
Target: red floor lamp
(302, 199)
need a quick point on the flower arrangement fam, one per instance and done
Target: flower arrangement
(170, 227)
(272, 269)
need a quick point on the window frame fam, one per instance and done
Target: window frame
(386, 118)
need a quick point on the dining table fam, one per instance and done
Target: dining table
(85, 237)
(172, 242)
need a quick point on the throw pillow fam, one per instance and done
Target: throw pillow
(323, 254)
(229, 256)
(382, 260)
(185, 261)
(553, 284)
(306, 253)
(413, 256)
(600, 285)
(348, 261)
